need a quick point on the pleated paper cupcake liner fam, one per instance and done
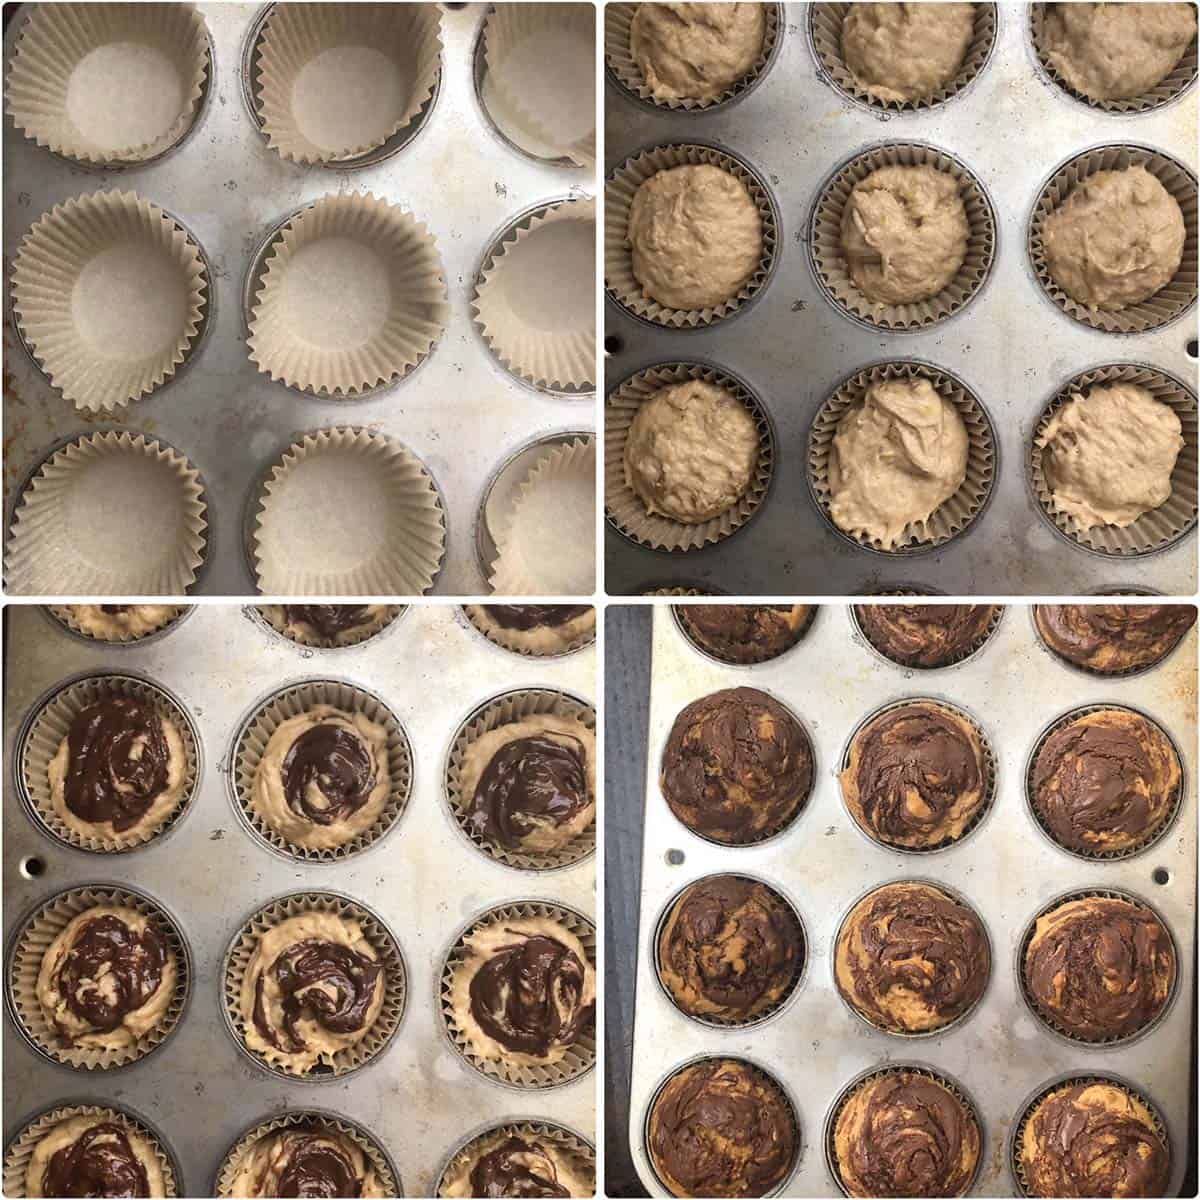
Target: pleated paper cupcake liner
(578, 1060)
(679, 591)
(507, 710)
(304, 543)
(829, 257)
(579, 1152)
(619, 61)
(825, 23)
(60, 88)
(109, 514)
(619, 280)
(679, 613)
(961, 655)
(625, 509)
(338, 80)
(67, 615)
(274, 615)
(509, 639)
(292, 701)
(1095, 672)
(387, 949)
(51, 724)
(25, 961)
(534, 296)
(951, 518)
(109, 292)
(1157, 529)
(1170, 301)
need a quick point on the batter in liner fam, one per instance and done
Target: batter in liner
(308, 1159)
(100, 1155)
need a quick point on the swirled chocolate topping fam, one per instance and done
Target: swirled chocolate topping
(113, 609)
(528, 996)
(1113, 637)
(327, 619)
(924, 635)
(745, 632)
(100, 1162)
(531, 616)
(1100, 967)
(516, 1168)
(731, 947)
(737, 766)
(314, 1166)
(721, 1128)
(117, 762)
(530, 781)
(341, 766)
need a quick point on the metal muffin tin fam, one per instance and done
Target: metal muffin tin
(1007, 871)
(1013, 347)
(419, 1098)
(461, 412)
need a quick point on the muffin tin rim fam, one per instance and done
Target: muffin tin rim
(914, 671)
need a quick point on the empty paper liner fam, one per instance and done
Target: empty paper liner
(580, 1154)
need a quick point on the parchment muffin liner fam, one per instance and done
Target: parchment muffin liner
(507, 709)
(50, 722)
(59, 293)
(1170, 301)
(296, 34)
(401, 247)
(106, 475)
(825, 23)
(395, 984)
(524, 269)
(497, 637)
(251, 744)
(363, 1138)
(961, 655)
(624, 71)
(988, 789)
(679, 591)
(1154, 836)
(679, 615)
(20, 1149)
(1173, 86)
(950, 519)
(33, 940)
(1159, 528)
(367, 471)
(65, 615)
(575, 1148)
(578, 1060)
(272, 615)
(829, 259)
(624, 508)
(621, 186)
(55, 40)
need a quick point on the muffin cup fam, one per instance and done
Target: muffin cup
(54, 43)
(272, 615)
(1170, 301)
(962, 655)
(241, 950)
(1125, 673)
(497, 638)
(50, 722)
(566, 1141)
(678, 591)
(359, 469)
(621, 68)
(621, 186)
(507, 709)
(679, 616)
(578, 1060)
(825, 23)
(829, 259)
(64, 616)
(106, 475)
(624, 508)
(1161, 527)
(951, 518)
(251, 744)
(33, 939)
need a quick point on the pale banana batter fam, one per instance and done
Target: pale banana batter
(904, 52)
(66, 1133)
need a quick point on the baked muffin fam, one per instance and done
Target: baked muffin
(535, 629)
(117, 622)
(910, 958)
(327, 625)
(904, 1133)
(730, 949)
(95, 1155)
(508, 1163)
(925, 635)
(745, 633)
(1113, 638)
(1105, 782)
(306, 1159)
(737, 766)
(722, 1128)
(916, 776)
(1099, 967)
(696, 236)
(1093, 1139)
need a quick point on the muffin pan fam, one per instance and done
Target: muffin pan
(999, 1054)
(425, 883)
(1012, 346)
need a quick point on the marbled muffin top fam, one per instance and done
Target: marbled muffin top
(1113, 638)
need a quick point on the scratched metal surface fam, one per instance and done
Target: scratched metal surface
(1014, 128)
(1006, 868)
(423, 879)
(460, 411)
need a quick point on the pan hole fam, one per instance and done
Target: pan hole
(1161, 876)
(613, 344)
(33, 867)
(1193, 349)
(675, 858)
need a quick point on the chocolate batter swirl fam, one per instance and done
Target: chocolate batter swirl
(745, 633)
(1113, 637)
(924, 635)
(531, 616)
(327, 619)
(1100, 967)
(516, 1168)
(100, 1162)
(314, 1165)
(117, 762)
(341, 766)
(722, 1128)
(737, 766)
